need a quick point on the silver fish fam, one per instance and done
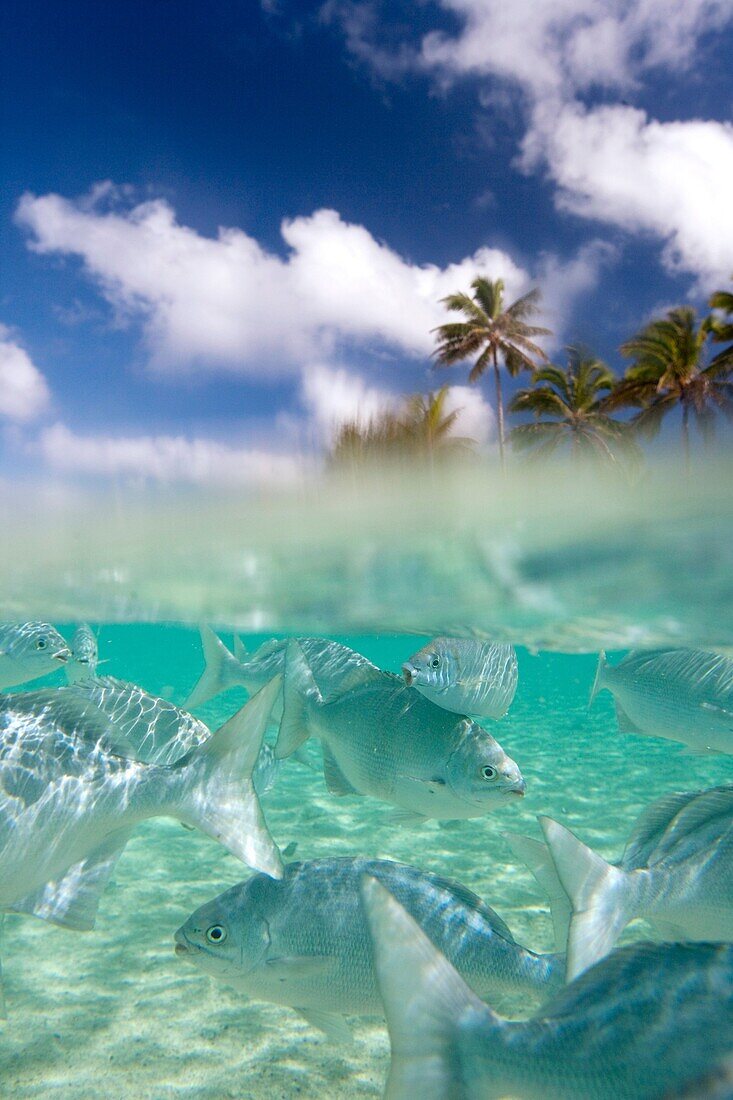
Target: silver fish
(223, 670)
(465, 675)
(71, 793)
(640, 1025)
(382, 738)
(303, 940)
(676, 872)
(84, 654)
(29, 650)
(158, 731)
(680, 694)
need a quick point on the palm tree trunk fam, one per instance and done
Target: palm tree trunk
(499, 411)
(686, 433)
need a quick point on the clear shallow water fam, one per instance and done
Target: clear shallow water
(560, 566)
(114, 1011)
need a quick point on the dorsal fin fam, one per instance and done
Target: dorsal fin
(650, 826)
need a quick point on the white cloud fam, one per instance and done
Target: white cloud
(167, 459)
(476, 418)
(672, 179)
(611, 163)
(333, 396)
(24, 394)
(227, 303)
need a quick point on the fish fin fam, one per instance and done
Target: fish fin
(333, 1025)
(303, 757)
(536, 855)
(72, 901)
(600, 894)
(291, 849)
(424, 997)
(336, 781)
(288, 968)
(625, 724)
(218, 796)
(598, 684)
(221, 670)
(241, 652)
(299, 689)
(405, 817)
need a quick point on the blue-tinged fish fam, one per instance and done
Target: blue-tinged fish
(676, 872)
(29, 650)
(158, 731)
(680, 694)
(643, 1024)
(84, 654)
(303, 940)
(465, 675)
(71, 792)
(334, 663)
(382, 738)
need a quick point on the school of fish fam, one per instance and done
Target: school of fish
(81, 764)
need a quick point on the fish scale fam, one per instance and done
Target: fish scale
(303, 940)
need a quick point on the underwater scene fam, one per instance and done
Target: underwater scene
(472, 739)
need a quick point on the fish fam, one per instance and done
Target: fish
(676, 872)
(224, 670)
(382, 738)
(158, 731)
(642, 1024)
(465, 675)
(29, 650)
(303, 941)
(71, 792)
(84, 654)
(683, 695)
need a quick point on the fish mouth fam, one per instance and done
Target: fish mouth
(182, 946)
(408, 671)
(517, 789)
(61, 655)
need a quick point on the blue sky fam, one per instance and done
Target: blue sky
(224, 227)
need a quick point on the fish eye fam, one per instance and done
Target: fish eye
(41, 643)
(487, 772)
(435, 662)
(216, 934)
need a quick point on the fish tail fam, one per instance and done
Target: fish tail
(221, 670)
(537, 857)
(423, 998)
(598, 684)
(216, 790)
(602, 897)
(240, 650)
(298, 688)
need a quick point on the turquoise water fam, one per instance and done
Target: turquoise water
(560, 567)
(114, 1012)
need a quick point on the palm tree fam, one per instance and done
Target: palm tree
(420, 430)
(721, 329)
(669, 370)
(569, 407)
(491, 330)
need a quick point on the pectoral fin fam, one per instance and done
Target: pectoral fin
(336, 781)
(72, 900)
(625, 724)
(334, 1026)
(301, 967)
(406, 817)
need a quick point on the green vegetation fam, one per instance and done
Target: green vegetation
(420, 431)
(569, 406)
(491, 330)
(678, 361)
